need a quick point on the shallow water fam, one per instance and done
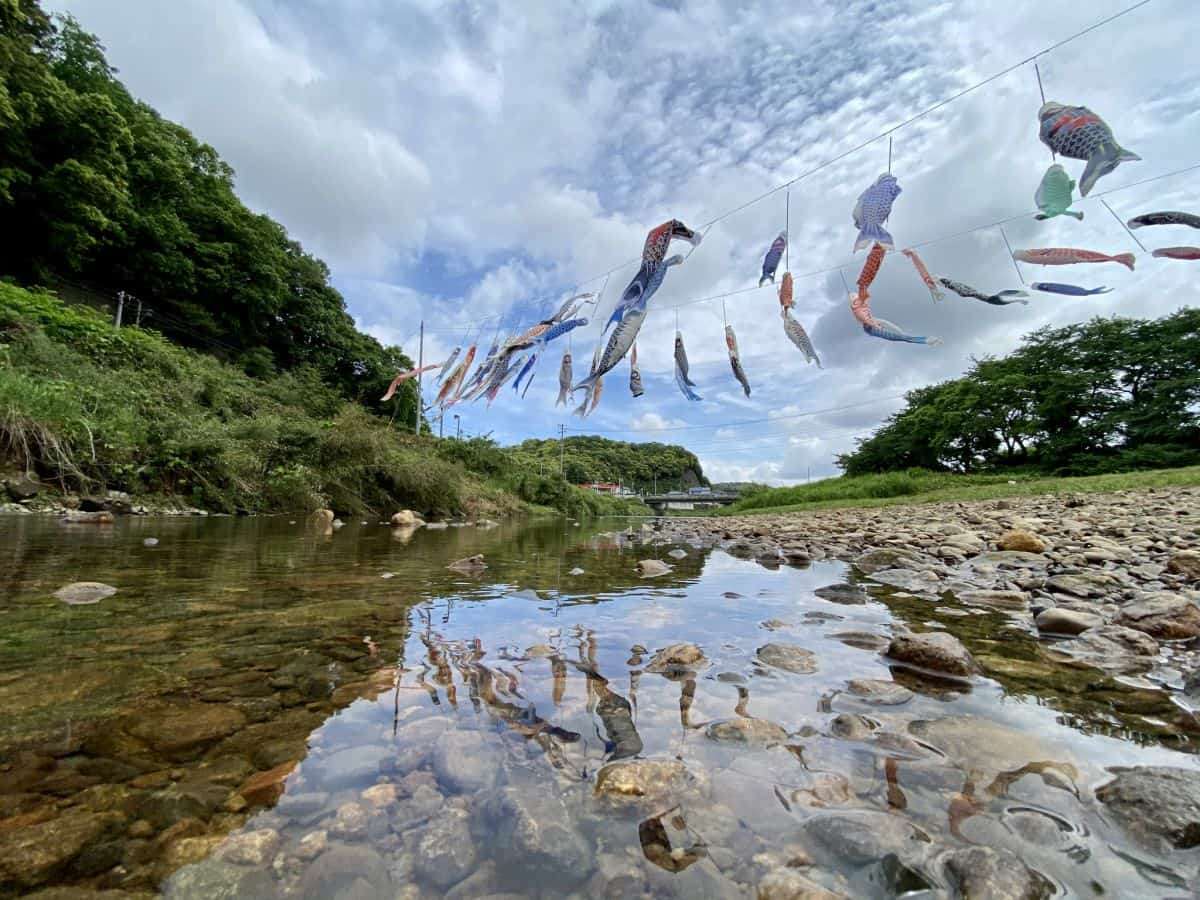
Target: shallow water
(451, 730)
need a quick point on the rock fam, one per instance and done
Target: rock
(93, 504)
(888, 558)
(789, 884)
(436, 526)
(1164, 616)
(219, 880)
(878, 692)
(264, 788)
(677, 554)
(1059, 620)
(471, 565)
(323, 517)
(847, 594)
(861, 837)
(746, 730)
(101, 517)
(1114, 648)
(652, 780)
(464, 761)
(788, 657)
(406, 518)
(1085, 585)
(183, 800)
(1185, 563)
(1022, 541)
(349, 768)
(312, 844)
(350, 822)
(677, 658)
(987, 873)
(576, 571)
(181, 731)
(536, 832)
(84, 593)
(150, 542)
(56, 848)
(21, 488)
(652, 568)
(938, 652)
(343, 871)
(1159, 806)
(381, 796)
(445, 852)
(852, 728)
(1014, 600)
(250, 848)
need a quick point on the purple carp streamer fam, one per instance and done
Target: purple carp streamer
(771, 260)
(873, 208)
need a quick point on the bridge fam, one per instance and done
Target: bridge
(677, 500)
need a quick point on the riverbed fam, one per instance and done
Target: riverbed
(267, 708)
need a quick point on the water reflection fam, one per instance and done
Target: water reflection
(268, 710)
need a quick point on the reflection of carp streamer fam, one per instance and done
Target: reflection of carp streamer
(615, 713)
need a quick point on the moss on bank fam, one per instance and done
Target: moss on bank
(90, 407)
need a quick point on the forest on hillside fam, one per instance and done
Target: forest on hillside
(97, 188)
(638, 466)
(1108, 395)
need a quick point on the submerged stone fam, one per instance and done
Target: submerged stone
(1159, 806)
(788, 657)
(84, 593)
(938, 652)
(746, 730)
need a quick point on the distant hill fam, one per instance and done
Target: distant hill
(640, 467)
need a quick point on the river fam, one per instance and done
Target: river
(268, 709)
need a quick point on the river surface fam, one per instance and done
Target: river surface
(266, 709)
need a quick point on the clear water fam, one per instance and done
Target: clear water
(450, 730)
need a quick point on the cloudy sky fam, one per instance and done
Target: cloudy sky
(470, 163)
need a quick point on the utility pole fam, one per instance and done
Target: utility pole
(458, 426)
(139, 312)
(562, 430)
(420, 363)
(120, 308)
(441, 421)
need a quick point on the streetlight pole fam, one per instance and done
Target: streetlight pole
(457, 427)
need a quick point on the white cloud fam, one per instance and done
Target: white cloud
(458, 162)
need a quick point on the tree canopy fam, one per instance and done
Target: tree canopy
(95, 186)
(1105, 395)
(641, 467)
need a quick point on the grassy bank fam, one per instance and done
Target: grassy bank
(921, 486)
(88, 407)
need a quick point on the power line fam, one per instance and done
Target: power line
(736, 424)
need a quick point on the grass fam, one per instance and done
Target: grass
(91, 407)
(919, 486)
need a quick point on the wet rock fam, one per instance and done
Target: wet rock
(251, 848)
(84, 593)
(677, 657)
(863, 837)
(405, 518)
(635, 780)
(381, 796)
(1114, 648)
(312, 844)
(848, 594)
(746, 730)
(826, 789)
(1059, 620)
(788, 657)
(217, 880)
(878, 692)
(1164, 616)
(1021, 541)
(102, 517)
(1159, 806)
(150, 542)
(986, 873)
(1014, 600)
(352, 767)
(652, 568)
(350, 822)
(1185, 563)
(1086, 585)
(445, 852)
(470, 565)
(938, 652)
(343, 871)
(21, 488)
(181, 731)
(889, 558)
(464, 761)
(535, 831)
(39, 851)
(576, 571)
(264, 788)
(979, 745)
(862, 640)
(790, 884)
(677, 554)
(184, 800)
(851, 728)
